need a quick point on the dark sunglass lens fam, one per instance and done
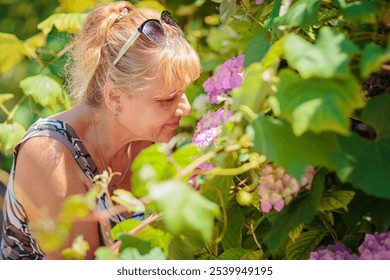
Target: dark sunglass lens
(153, 30)
(167, 18)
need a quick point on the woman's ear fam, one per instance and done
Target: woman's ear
(112, 98)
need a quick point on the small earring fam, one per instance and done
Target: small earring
(116, 112)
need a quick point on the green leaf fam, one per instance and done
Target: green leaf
(304, 244)
(254, 89)
(333, 200)
(76, 206)
(183, 208)
(78, 251)
(328, 58)
(124, 227)
(186, 154)
(233, 254)
(127, 199)
(43, 89)
(369, 167)
(133, 254)
(256, 50)
(273, 15)
(12, 51)
(316, 105)
(10, 135)
(301, 210)
(129, 241)
(104, 253)
(227, 9)
(362, 11)
(373, 57)
(302, 12)
(154, 156)
(64, 22)
(235, 223)
(276, 140)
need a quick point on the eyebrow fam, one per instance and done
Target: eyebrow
(169, 97)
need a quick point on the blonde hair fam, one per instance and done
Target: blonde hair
(174, 63)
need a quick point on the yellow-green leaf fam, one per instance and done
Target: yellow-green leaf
(35, 42)
(70, 23)
(333, 200)
(10, 135)
(78, 251)
(43, 89)
(12, 51)
(76, 6)
(305, 243)
(151, 4)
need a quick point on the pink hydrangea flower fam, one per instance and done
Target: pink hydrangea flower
(229, 77)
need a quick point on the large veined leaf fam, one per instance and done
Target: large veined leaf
(10, 135)
(302, 12)
(70, 23)
(316, 104)
(369, 168)
(304, 244)
(336, 199)
(301, 210)
(276, 140)
(329, 57)
(12, 51)
(43, 89)
(373, 57)
(183, 208)
(256, 50)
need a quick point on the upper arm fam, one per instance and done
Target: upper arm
(45, 175)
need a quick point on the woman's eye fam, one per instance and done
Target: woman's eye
(167, 102)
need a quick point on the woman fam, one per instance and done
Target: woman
(129, 74)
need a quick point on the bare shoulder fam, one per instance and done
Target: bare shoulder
(46, 172)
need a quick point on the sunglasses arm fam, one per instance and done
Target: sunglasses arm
(126, 46)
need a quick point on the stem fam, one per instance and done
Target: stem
(255, 238)
(16, 107)
(152, 218)
(2, 107)
(195, 164)
(251, 16)
(231, 171)
(58, 55)
(248, 111)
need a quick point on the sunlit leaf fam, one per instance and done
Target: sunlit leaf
(329, 57)
(369, 168)
(150, 4)
(43, 89)
(316, 104)
(302, 12)
(184, 208)
(277, 141)
(70, 23)
(78, 251)
(10, 135)
(12, 51)
(128, 200)
(75, 6)
(134, 254)
(35, 42)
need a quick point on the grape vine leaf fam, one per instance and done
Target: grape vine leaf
(64, 22)
(369, 165)
(10, 135)
(43, 89)
(302, 12)
(75, 6)
(373, 57)
(12, 51)
(183, 208)
(316, 104)
(276, 140)
(300, 210)
(35, 42)
(329, 57)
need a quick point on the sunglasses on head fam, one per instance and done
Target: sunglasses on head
(151, 28)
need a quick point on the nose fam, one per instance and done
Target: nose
(184, 106)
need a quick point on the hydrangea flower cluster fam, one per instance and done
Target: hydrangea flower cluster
(332, 252)
(229, 77)
(375, 246)
(207, 128)
(277, 188)
(258, 2)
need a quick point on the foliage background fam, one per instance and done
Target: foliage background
(315, 92)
